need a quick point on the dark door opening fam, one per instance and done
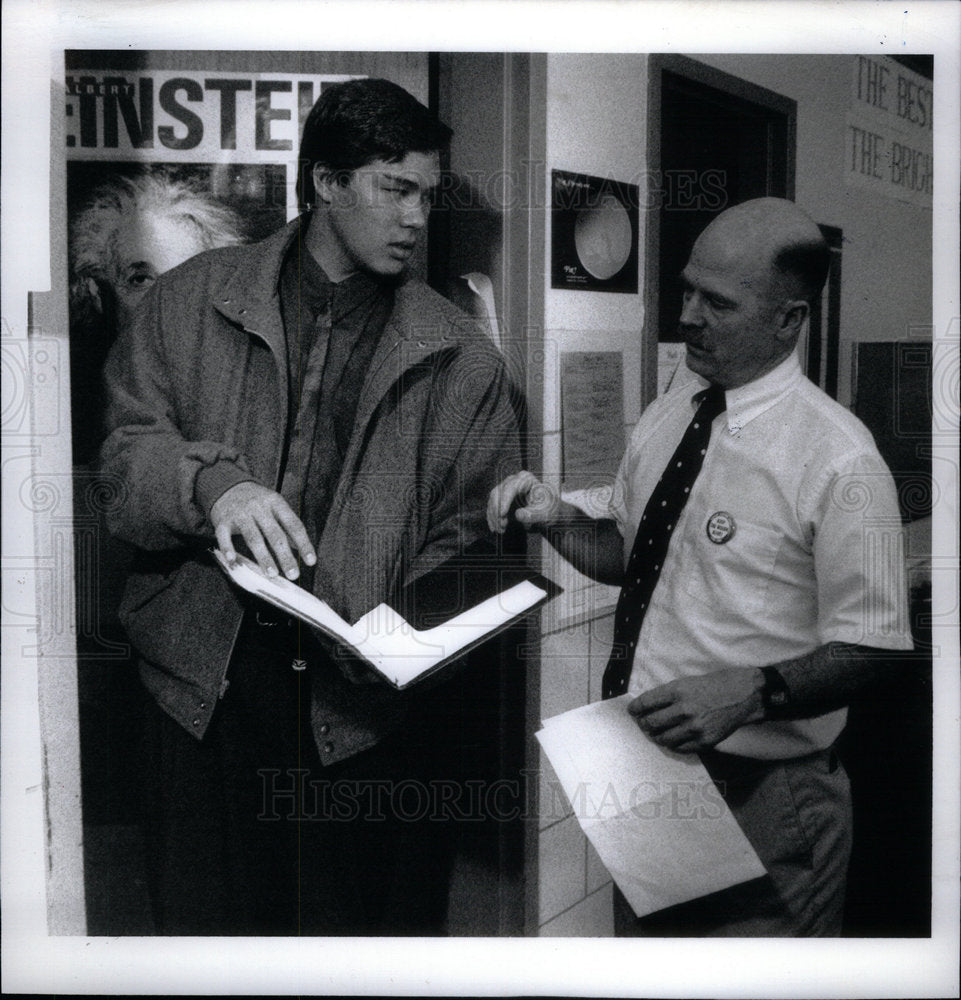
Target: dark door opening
(715, 141)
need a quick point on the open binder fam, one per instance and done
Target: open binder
(434, 620)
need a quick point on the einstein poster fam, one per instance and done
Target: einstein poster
(162, 164)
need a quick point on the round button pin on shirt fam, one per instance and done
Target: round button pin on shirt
(721, 527)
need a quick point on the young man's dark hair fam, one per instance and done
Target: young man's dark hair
(359, 121)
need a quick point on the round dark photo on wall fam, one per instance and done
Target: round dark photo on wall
(602, 236)
(594, 233)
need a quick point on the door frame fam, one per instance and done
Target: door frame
(508, 217)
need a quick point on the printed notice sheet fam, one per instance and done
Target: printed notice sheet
(592, 416)
(656, 818)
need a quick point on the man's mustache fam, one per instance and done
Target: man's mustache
(689, 335)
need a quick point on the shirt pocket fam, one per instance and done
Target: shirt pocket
(735, 574)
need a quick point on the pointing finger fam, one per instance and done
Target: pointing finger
(258, 549)
(225, 543)
(295, 529)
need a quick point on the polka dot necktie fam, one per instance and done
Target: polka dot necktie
(653, 537)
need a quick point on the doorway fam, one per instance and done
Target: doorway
(714, 140)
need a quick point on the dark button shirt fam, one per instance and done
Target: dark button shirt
(332, 331)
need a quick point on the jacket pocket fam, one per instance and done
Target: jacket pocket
(183, 622)
(152, 573)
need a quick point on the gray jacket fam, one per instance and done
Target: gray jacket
(200, 378)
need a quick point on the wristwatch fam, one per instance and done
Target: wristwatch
(775, 694)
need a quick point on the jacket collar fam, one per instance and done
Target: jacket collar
(412, 335)
(250, 298)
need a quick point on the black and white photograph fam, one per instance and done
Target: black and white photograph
(391, 608)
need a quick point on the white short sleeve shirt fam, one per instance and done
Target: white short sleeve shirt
(790, 538)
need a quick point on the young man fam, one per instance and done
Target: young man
(756, 538)
(302, 396)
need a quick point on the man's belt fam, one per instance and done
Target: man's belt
(733, 768)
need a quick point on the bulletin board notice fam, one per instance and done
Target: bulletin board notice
(592, 417)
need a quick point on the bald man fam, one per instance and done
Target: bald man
(781, 591)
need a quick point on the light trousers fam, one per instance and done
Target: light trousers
(797, 815)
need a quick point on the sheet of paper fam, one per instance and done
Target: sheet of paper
(656, 819)
(592, 416)
(402, 653)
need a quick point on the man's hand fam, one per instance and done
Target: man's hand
(264, 519)
(592, 545)
(696, 713)
(540, 503)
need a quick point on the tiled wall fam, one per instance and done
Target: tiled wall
(574, 889)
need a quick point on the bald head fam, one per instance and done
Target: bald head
(748, 288)
(772, 235)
